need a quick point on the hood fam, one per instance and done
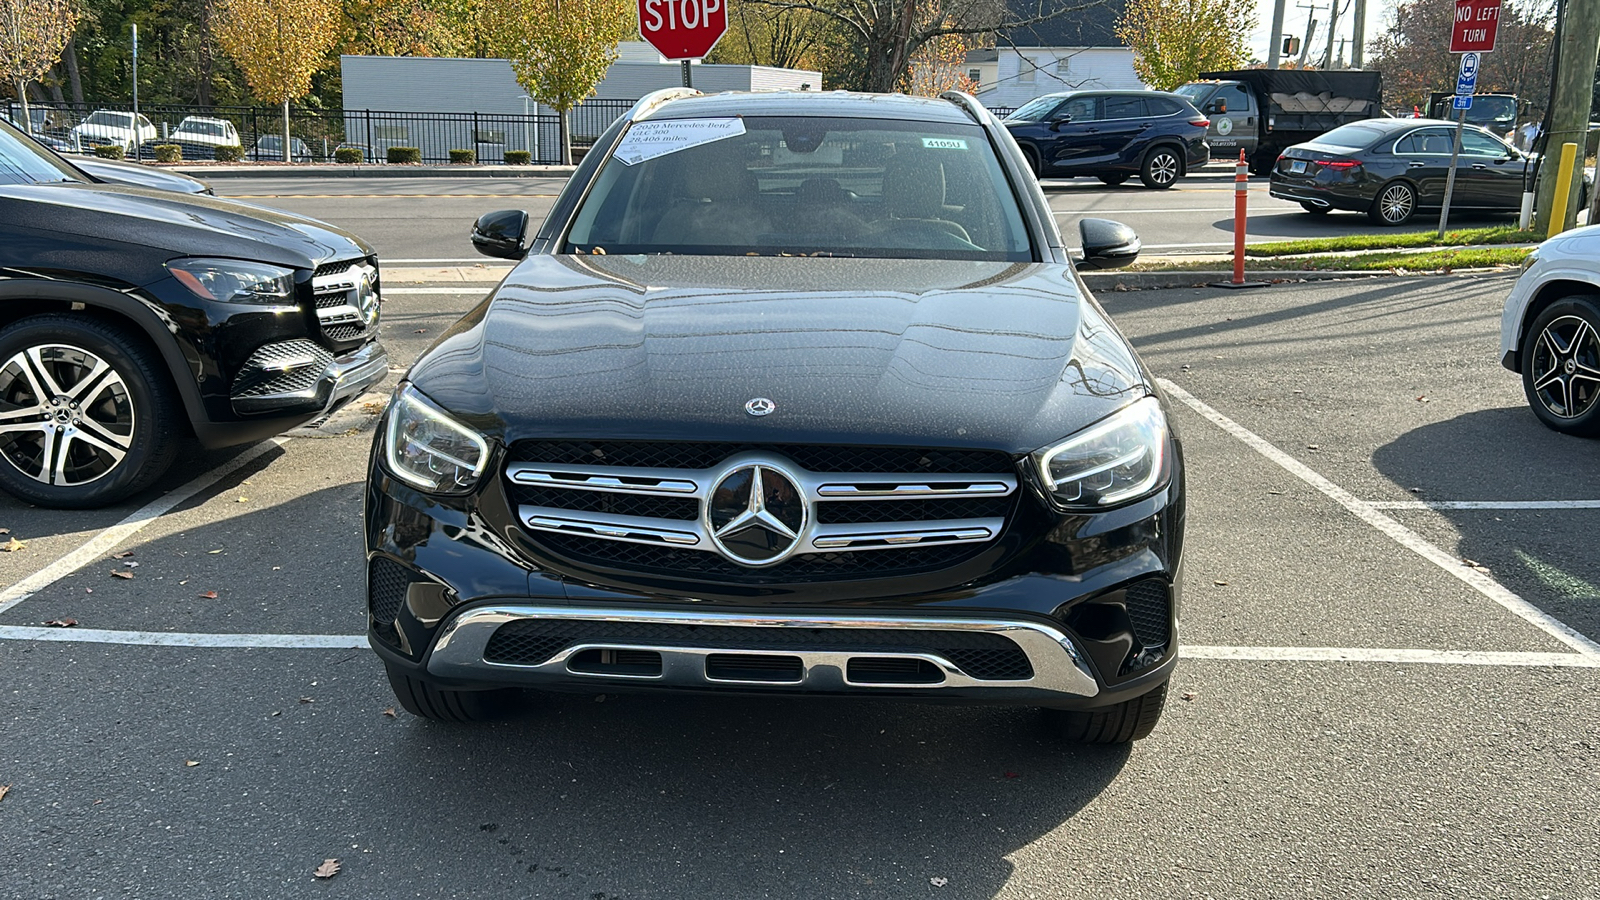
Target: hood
(119, 171)
(1007, 356)
(178, 224)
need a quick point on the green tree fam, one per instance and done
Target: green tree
(761, 35)
(1413, 53)
(1175, 40)
(560, 49)
(32, 36)
(279, 45)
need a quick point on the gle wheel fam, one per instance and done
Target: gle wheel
(1127, 721)
(1395, 204)
(86, 414)
(1161, 168)
(1561, 366)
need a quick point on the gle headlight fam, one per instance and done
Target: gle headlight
(427, 448)
(1120, 458)
(234, 281)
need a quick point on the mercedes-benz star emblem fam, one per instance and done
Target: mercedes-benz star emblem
(759, 406)
(367, 299)
(756, 515)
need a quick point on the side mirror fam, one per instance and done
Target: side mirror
(501, 234)
(1217, 107)
(1107, 244)
(1058, 121)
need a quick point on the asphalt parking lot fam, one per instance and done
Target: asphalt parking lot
(1390, 621)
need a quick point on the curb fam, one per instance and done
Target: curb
(1152, 281)
(372, 171)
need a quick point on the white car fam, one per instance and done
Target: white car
(205, 132)
(1550, 331)
(106, 127)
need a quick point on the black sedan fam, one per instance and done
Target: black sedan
(791, 394)
(1391, 169)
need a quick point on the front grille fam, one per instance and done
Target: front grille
(1149, 611)
(984, 656)
(387, 583)
(284, 367)
(815, 457)
(875, 512)
(337, 293)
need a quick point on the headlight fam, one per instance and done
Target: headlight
(1120, 458)
(426, 448)
(234, 281)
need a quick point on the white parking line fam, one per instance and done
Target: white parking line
(480, 291)
(102, 543)
(1400, 534)
(1485, 504)
(184, 639)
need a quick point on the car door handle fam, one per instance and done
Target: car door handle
(1417, 165)
(1479, 166)
(1091, 131)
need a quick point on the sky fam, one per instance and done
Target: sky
(1296, 14)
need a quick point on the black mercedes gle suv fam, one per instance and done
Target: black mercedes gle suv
(795, 394)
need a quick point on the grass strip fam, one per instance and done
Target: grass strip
(1503, 234)
(1413, 261)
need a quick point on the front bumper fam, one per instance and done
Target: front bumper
(294, 377)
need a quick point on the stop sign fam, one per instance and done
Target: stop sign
(683, 29)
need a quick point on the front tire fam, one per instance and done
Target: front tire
(1161, 168)
(87, 413)
(1395, 204)
(1123, 723)
(428, 701)
(1561, 366)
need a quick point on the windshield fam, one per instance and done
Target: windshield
(24, 162)
(793, 185)
(103, 117)
(194, 126)
(1034, 109)
(1492, 110)
(1354, 137)
(1194, 91)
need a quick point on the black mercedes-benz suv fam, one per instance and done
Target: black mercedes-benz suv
(133, 318)
(791, 393)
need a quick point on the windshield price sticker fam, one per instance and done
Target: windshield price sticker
(945, 143)
(648, 140)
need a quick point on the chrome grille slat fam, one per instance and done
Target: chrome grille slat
(336, 289)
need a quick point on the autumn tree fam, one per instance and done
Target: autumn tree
(32, 35)
(398, 28)
(939, 65)
(1175, 40)
(884, 35)
(560, 49)
(760, 35)
(279, 45)
(1415, 59)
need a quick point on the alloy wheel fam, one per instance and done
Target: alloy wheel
(1395, 203)
(1164, 168)
(66, 415)
(1565, 367)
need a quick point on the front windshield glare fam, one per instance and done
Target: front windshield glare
(1034, 109)
(802, 186)
(23, 162)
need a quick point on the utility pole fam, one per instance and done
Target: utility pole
(1577, 46)
(1358, 42)
(1311, 29)
(1333, 33)
(1275, 49)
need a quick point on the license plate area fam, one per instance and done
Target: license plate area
(1297, 166)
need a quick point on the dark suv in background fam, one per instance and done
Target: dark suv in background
(1112, 135)
(134, 318)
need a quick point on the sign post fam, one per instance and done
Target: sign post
(1476, 25)
(682, 30)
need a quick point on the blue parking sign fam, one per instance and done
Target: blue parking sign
(1463, 101)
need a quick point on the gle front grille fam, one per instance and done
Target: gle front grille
(347, 299)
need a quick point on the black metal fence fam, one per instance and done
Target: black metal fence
(316, 134)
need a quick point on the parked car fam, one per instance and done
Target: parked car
(1111, 135)
(199, 136)
(1550, 331)
(790, 393)
(1391, 169)
(60, 143)
(269, 148)
(1262, 111)
(110, 127)
(131, 319)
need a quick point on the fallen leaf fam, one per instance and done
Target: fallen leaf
(1276, 493)
(389, 712)
(1220, 583)
(420, 331)
(123, 555)
(1424, 399)
(131, 564)
(62, 623)
(12, 545)
(307, 700)
(1312, 447)
(191, 763)
(218, 550)
(328, 869)
(1188, 695)
(1470, 562)
(88, 590)
(242, 500)
(1011, 775)
(121, 573)
(938, 881)
(209, 595)
(4, 790)
(5, 531)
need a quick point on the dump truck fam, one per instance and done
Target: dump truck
(1262, 111)
(1496, 112)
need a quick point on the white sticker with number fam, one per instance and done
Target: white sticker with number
(648, 140)
(945, 143)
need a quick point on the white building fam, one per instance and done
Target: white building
(1077, 51)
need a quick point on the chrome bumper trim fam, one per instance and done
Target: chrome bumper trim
(1059, 666)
